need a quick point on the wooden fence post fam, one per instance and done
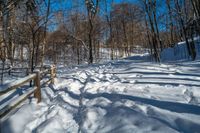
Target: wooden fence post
(37, 93)
(53, 73)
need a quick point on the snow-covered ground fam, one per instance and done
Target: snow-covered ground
(126, 96)
(180, 52)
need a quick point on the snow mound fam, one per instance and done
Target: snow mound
(179, 51)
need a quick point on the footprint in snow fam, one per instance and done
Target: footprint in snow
(139, 75)
(190, 97)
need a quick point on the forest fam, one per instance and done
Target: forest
(77, 31)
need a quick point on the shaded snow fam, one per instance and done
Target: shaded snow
(180, 52)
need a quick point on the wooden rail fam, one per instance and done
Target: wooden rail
(36, 89)
(10, 70)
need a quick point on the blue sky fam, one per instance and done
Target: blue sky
(79, 5)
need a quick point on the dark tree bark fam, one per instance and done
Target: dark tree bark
(92, 11)
(190, 46)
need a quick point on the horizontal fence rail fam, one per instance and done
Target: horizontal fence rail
(10, 69)
(36, 89)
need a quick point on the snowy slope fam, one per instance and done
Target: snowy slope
(180, 52)
(125, 96)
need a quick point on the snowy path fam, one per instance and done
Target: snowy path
(124, 96)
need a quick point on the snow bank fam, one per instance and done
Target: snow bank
(179, 51)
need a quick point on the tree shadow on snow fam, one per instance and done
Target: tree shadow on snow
(127, 113)
(171, 106)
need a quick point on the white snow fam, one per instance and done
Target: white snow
(125, 96)
(180, 52)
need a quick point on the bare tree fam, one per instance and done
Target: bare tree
(150, 6)
(92, 8)
(190, 46)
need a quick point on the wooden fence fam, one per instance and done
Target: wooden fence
(35, 89)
